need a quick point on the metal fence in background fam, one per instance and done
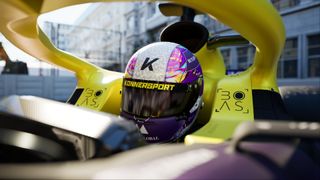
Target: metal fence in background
(50, 87)
(99, 46)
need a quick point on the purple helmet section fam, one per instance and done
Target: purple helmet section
(193, 66)
(183, 66)
(159, 129)
(162, 129)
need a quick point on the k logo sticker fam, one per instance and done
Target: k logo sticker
(148, 64)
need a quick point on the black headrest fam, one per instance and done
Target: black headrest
(189, 34)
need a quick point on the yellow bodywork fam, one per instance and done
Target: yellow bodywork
(227, 99)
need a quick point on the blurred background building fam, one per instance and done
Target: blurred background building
(107, 35)
(300, 60)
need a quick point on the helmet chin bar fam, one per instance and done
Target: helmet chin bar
(147, 125)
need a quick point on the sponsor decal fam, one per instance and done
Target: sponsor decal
(91, 98)
(149, 85)
(148, 64)
(193, 58)
(152, 138)
(232, 101)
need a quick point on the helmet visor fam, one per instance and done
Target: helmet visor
(155, 99)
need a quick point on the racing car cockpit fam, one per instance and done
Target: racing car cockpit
(247, 127)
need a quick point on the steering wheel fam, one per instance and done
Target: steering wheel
(228, 100)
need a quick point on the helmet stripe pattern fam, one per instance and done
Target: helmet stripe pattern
(177, 67)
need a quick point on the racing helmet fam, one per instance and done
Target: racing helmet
(162, 91)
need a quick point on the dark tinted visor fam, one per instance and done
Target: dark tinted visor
(154, 99)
